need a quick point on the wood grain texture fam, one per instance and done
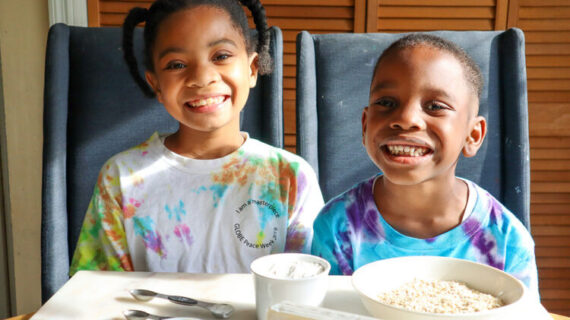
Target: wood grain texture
(547, 31)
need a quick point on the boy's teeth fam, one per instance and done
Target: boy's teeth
(407, 151)
(204, 102)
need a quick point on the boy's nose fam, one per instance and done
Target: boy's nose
(201, 75)
(408, 117)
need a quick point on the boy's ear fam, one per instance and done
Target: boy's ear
(153, 82)
(364, 115)
(476, 136)
(253, 69)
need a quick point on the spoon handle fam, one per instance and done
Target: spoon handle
(182, 300)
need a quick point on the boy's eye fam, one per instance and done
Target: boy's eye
(436, 106)
(175, 65)
(386, 102)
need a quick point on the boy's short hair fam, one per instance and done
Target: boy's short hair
(472, 71)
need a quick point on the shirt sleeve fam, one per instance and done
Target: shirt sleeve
(522, 265)
(309, 201)
(102, 243)
(331, 240)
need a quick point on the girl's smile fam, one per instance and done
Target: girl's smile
(207, 104)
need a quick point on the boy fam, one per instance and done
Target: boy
(424, 101)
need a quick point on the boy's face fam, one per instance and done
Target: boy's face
(421, 116)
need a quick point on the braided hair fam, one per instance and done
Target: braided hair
(161, 9)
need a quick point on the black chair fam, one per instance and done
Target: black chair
(333, 78)
(92, 110)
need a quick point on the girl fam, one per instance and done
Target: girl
(423, 113)
(207, 198)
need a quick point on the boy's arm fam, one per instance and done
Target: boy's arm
(522, 265)
(102, 243)
(309, 203)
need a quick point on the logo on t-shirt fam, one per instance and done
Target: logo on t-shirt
(256, 224)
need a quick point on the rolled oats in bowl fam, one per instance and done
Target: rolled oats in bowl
(439, 296)
(436, 288)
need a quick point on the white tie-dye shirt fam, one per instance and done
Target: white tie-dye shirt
(154, 210)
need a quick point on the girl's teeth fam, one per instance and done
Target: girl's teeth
(407, 151)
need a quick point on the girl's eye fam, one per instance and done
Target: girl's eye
(221, 57)
(386, 102)
(175, 65)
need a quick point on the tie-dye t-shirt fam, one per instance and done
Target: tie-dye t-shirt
(154, 210)
(350, 232)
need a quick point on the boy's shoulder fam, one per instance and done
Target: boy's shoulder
(355, 198)
(487, 200)
(495, 212)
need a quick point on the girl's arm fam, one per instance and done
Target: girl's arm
(309, 203)
(102, 243)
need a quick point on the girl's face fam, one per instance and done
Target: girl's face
(203, 72)
(421, 116)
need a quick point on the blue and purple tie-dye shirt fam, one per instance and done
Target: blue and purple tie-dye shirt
(350, 232)
(154, 210)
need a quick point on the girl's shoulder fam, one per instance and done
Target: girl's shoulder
(270, 154)
(141, 153)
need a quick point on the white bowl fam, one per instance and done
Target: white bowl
(274, 285)
(384, 275)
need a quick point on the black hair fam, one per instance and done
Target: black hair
(471, 69)
(161, 9)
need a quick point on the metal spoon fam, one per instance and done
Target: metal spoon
(219, 310)
(142, 315)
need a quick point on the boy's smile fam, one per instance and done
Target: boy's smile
(406, 150)
(421, 116)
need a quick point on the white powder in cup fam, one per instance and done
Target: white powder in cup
(295, 269)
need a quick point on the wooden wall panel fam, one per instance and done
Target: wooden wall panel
(546, 24)
(315, 16)
(427, 15)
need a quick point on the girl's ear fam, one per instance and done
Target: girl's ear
(476, 136)
(153, 82)
(253, 69)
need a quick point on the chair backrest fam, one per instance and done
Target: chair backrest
(333, 78)
(93, 109)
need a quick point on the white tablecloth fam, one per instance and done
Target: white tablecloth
(105, 295)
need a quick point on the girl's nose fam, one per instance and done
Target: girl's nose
(201, 75)
(408, 117)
